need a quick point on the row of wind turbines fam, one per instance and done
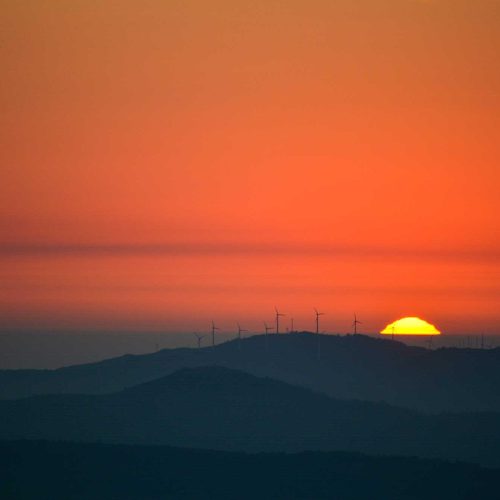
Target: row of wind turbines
(268, 329)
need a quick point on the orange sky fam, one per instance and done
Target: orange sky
(169, 162)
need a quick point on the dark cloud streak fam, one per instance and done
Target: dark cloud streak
(56, 250)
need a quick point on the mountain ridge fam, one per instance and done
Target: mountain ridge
(349, 367)
(220, 408)
(62, 470)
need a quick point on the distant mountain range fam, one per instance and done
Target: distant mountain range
(69, 471)
(224, 409)
(345, 367)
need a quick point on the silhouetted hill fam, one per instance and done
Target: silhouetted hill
(68, 471)
(219, 408)
(350, 367)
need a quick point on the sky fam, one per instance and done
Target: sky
(169, 163)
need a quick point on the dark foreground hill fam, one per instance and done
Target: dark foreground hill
(349, 367)
(67, 471)
(219, 408)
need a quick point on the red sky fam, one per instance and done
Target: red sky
(169, 163)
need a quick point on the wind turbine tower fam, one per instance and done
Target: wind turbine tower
(199, 338)
(318, 314)
(213, 333)
(355, 324)
(240, 331)
(278, 314)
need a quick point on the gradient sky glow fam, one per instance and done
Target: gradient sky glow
(166, 163)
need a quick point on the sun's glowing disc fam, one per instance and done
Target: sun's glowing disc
(410, 326)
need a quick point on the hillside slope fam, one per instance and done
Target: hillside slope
(350, 367)
(68, 471)
(219, 408)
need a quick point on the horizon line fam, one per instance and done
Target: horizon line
(230, 248)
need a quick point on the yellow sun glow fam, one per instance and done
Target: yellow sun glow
(410, 326)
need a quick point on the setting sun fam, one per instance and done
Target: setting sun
(410, 326)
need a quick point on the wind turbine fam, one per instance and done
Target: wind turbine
(318, 314)
(355, 324)
(213, 333)
(199, 338)
(240, 331)
(278, 314)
